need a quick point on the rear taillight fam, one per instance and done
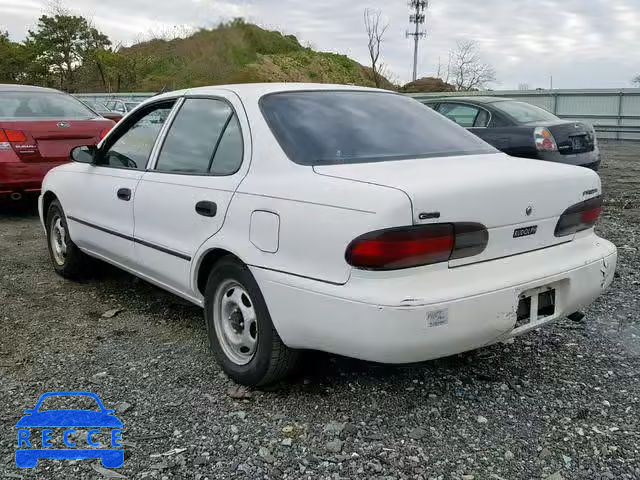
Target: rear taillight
(544, 140)
(4, 142)
(580, 217)
(104, 133)
(417, 245)
(7, 137)
(15, 136)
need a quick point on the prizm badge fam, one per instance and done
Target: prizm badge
(525, 232)
(589, 192)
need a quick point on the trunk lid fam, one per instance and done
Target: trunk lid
(53, 140)
(573, 137)
(507, 195)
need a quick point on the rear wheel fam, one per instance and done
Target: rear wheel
(241, 333)
(67, 259)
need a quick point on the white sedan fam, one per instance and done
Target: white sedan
(344, 219)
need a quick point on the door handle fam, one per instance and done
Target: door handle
(124, 194)
(206, 209)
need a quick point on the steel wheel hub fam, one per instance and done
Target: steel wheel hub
(235, 322)
(58, 241)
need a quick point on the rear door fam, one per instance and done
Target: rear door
(183, 199)
(102, 196)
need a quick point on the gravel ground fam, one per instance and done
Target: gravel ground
(559, 403)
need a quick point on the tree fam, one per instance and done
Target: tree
(636, 80)
(13, 58)
(465, 69)
(63, 42)
(375, 33)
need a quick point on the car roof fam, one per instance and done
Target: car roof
(257, 90)
(10, 87)
(480, 100)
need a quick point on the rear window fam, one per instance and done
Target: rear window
(334, 127)
(524, 112)
(18, 105)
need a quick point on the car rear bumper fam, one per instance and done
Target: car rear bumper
(23, 177)
(432, 312)
(588, 159)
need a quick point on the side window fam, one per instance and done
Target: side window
(202, 140)
(228, 156)
(482, 120)
(133, 148)
(463, 115)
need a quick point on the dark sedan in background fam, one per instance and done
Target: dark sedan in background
(522, 130)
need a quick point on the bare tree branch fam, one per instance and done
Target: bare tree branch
(465, 69)
(636, 80)
(375, 33)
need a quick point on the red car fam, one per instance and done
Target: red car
(38, 129)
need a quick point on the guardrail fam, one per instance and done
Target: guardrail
(615, 114)
(105, 97)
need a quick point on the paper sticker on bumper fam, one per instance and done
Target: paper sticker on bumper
(437, 318)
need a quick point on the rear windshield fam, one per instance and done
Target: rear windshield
(334, 127)
(524, 112)
(30, 105)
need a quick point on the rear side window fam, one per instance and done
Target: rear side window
(204, 139)
(463, 115)
(333, 127)
(34, 105)
(228, 156)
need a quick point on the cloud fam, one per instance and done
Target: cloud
(582, 43)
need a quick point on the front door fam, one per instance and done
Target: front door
(182, 200)
(104, 191)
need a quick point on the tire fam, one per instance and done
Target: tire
(70, 263)
(235, 310)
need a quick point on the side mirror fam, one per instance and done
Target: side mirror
(83, 154)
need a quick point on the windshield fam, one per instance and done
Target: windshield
(131, 105)
(333, 127)
(35, 105)
(524, 112)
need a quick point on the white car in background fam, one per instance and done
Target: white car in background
(344, 219)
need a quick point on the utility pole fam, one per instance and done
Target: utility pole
(418, 17)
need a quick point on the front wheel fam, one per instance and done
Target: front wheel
(67, 259)
(241, 333)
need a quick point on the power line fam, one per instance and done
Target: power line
(417, 17)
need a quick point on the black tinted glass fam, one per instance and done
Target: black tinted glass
(192, 138)
(331, 127)
(524, 113)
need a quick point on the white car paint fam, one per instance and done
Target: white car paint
(291, 224)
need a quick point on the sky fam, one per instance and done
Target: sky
(580, 43)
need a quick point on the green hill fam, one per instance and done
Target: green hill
(236, 52)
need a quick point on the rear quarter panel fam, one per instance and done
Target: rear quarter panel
(318, 217)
